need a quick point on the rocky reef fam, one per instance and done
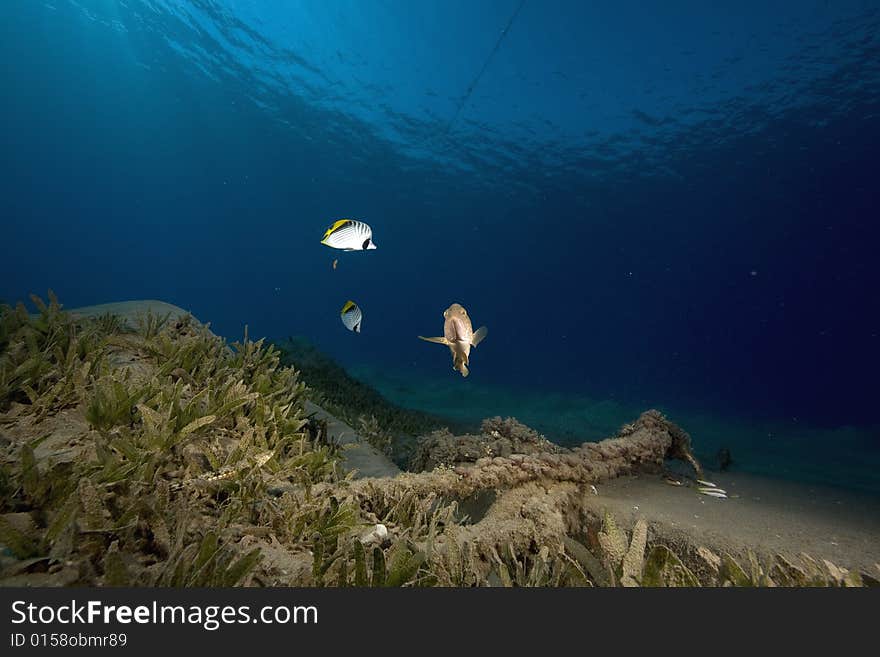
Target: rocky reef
(138, 448)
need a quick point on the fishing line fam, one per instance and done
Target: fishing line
(476, 80)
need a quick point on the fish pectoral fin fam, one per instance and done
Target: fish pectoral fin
(479, 336)
(440, 340)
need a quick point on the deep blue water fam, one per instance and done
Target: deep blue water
(654, 202)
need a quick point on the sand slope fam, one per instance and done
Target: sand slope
(357, 455)
(129, 310)
(766, 515)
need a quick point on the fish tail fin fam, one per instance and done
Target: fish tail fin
(440, 340)
(460, 363)
(479, 336)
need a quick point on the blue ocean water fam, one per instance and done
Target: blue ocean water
(668, 204)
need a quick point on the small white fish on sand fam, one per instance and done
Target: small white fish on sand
(713, 492)
(706, 483)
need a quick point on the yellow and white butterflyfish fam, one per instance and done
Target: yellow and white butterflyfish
(349, 235)
(351, 316)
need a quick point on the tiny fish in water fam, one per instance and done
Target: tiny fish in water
(335, 262)
(706, 483)
(459, 336)
(349, 235)
(351, 316)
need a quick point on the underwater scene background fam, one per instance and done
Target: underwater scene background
(668, 205)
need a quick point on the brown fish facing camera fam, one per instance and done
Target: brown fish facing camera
(459, 336)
